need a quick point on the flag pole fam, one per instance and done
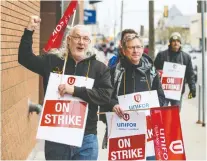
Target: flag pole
(142, 109)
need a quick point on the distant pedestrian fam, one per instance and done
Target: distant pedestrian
(175, 54)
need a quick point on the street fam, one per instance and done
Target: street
(194, 135)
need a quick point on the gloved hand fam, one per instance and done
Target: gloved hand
(192, 94)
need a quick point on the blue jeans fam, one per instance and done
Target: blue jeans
(88, 151)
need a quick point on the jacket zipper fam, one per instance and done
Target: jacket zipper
(147, 81)
(133, 77)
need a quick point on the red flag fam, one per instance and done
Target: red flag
(168, 140)
(57, 35)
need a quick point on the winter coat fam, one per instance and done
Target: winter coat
(45, 64)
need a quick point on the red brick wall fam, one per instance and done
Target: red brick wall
(17, 83)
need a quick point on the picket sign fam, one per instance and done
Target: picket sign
(172, 80)
(127, 136)
(142, 100)
(63, 119)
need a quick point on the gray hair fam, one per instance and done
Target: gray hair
(132, 37)
(63, 51)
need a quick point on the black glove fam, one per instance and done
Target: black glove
(192, 94)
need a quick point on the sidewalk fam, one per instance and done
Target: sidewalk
(194, 135)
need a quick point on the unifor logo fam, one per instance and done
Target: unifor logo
(174, 66)
(137, 97)
(177, 147)
(71, 80)
(126, 117)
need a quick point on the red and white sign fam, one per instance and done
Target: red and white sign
(139, 100)
(127, 148)
(126, 136)
(62, 113)
(63, 119)
(172, 80)
(168, 140)
(147, 99)
(173, 84)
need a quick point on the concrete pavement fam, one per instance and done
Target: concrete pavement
(194, 135)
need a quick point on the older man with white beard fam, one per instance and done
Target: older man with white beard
(80, 62)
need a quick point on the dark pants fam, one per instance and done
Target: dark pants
(88, 151)
(150, 158)
(174, 102)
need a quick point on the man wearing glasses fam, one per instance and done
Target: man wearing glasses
(134, 73)
(80, 62)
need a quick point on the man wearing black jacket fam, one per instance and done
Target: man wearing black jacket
(133, 73)
(136, 71)
(175, 54)
(79, 63)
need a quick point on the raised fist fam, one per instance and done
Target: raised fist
(33, 23)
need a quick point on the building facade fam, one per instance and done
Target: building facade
(18, 84)
(175, 22)
(18, 131)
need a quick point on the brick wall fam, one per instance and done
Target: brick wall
(17, 84)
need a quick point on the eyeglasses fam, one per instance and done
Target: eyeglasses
(86, 39)
(134, 47)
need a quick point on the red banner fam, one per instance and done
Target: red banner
(168, 140)
(57, 35)
(150, 136)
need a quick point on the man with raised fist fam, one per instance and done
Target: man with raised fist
(80, 62)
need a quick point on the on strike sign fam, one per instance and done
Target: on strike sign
(172, 80)
(170, 83)
(68, 114)
(63, 119)
(127, 148)
(142, 100)
(126, 136)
